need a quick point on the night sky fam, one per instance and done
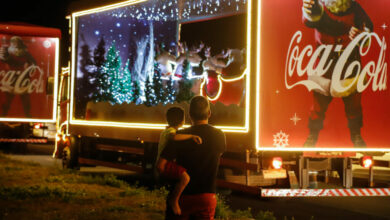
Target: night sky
(45, 13)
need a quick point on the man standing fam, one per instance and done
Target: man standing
(201, 162)
(337, 22)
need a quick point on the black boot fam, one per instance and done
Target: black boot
(311, 140)
(314, 127)
(357, 139)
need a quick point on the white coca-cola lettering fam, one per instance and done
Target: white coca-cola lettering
(20, 82)
(318, 64)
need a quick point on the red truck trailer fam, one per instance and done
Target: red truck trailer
(278, 75)
(29, 68)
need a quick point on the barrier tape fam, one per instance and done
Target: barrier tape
(325, 192)
(24, 140)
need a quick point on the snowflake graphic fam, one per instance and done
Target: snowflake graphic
(280, 140)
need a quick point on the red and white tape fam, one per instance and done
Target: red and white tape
(24, 140)
(325, 192)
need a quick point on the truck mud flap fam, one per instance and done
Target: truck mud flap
(325, 192)
(23, 140)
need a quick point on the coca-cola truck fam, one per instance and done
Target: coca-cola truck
(29, 57)
(298, 87)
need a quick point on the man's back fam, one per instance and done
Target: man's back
(200, 160)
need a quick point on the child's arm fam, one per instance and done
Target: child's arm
(182, 137)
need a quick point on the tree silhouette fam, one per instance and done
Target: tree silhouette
(84, 89)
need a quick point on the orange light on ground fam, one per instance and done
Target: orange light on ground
(367, 161)
(277, 162)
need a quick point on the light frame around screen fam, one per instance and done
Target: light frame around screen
(247, 73)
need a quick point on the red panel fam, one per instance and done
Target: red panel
(26, 63)
(29, 30)
(286, 103)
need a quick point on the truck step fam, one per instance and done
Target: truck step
(129, 150)
(110, 164)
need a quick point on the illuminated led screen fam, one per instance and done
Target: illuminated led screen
(134, 62)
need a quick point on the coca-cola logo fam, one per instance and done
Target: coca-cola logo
(316, 62)
(20, 82)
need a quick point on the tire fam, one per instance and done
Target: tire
(70, 154)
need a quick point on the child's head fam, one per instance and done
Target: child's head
(175, 117)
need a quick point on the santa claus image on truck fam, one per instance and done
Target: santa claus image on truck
(338, 23)
(17, 58)
(27, 69)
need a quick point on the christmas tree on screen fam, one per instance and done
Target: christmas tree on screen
(135, 92)
(170, 92)
(122, 85)
(184, 93)
(158, 85)
(150, 98)
(108, 80)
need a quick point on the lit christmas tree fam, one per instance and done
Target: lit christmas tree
(135, 92)
(157, 85)
(170, 92)
(135, 89)
(185, 84)
(108, 79)
(150, 98)
(122, 85)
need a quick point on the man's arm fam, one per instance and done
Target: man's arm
(182, 137)
(221, 142)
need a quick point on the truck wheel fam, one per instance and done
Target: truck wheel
(70, 154)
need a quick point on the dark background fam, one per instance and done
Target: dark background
(48, 13)
(52, 13)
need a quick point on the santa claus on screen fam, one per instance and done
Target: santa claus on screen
(336, 22)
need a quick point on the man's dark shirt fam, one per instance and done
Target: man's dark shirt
(200, 160)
